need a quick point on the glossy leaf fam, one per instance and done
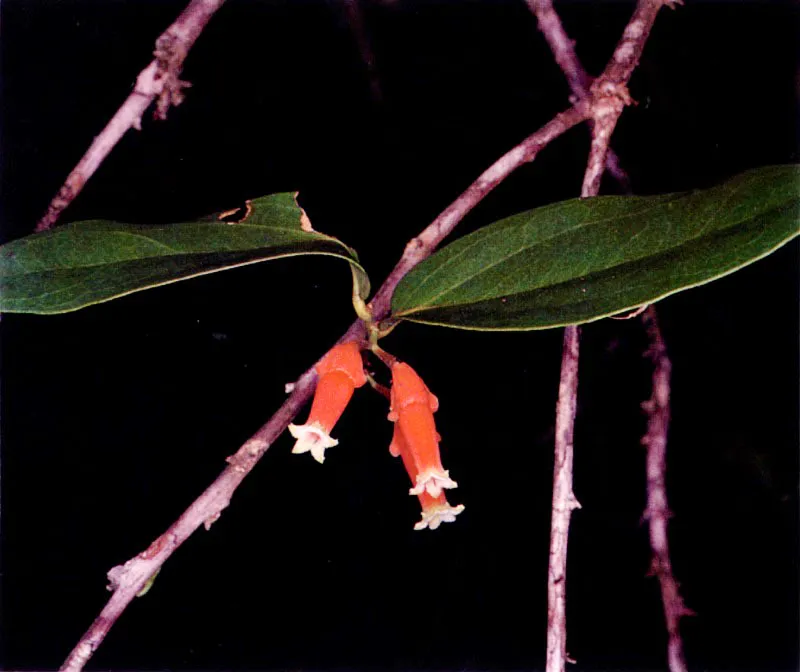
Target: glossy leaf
(581, 260)
(84, 263)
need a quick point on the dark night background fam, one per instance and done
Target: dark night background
(117, 416)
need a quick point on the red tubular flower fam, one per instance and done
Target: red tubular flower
(435, 510)
(412, 409)
(340, 372)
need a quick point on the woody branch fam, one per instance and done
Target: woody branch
(657, 512)
(579, 80)
(127, 580)
(564, 501)
(609, 96)
(159, 81)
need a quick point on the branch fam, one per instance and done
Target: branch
(608, 103)
(629, 50)
(131, 578)
(423, 245)
(657, 512)
(610, 90)
(564, 502)
(158, 80)
(579, 80)
(608, 97)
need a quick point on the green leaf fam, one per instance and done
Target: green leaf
(84, 263)
(581, 260)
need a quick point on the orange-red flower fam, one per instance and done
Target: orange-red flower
(412, 409)
(435, 510)
(340, 372)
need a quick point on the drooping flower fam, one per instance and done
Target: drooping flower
(340, 372)
(412, 409)
(435, 510)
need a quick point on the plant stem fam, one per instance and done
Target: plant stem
(579, 80)
(158, 80)
(127, 580)
(657, 512)
(608, 97)
(564, 502)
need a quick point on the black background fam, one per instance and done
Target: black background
(116, 417)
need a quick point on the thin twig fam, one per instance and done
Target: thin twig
(159, 80)
(657, 512)
(608, 96)
(610, 90)
(564, 502)
(606, 109)
(579, 80)
(630, 47)
(129, 579)
(421, 247)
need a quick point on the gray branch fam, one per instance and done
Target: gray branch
(160, 80)
(608, 96)
(657, 512)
